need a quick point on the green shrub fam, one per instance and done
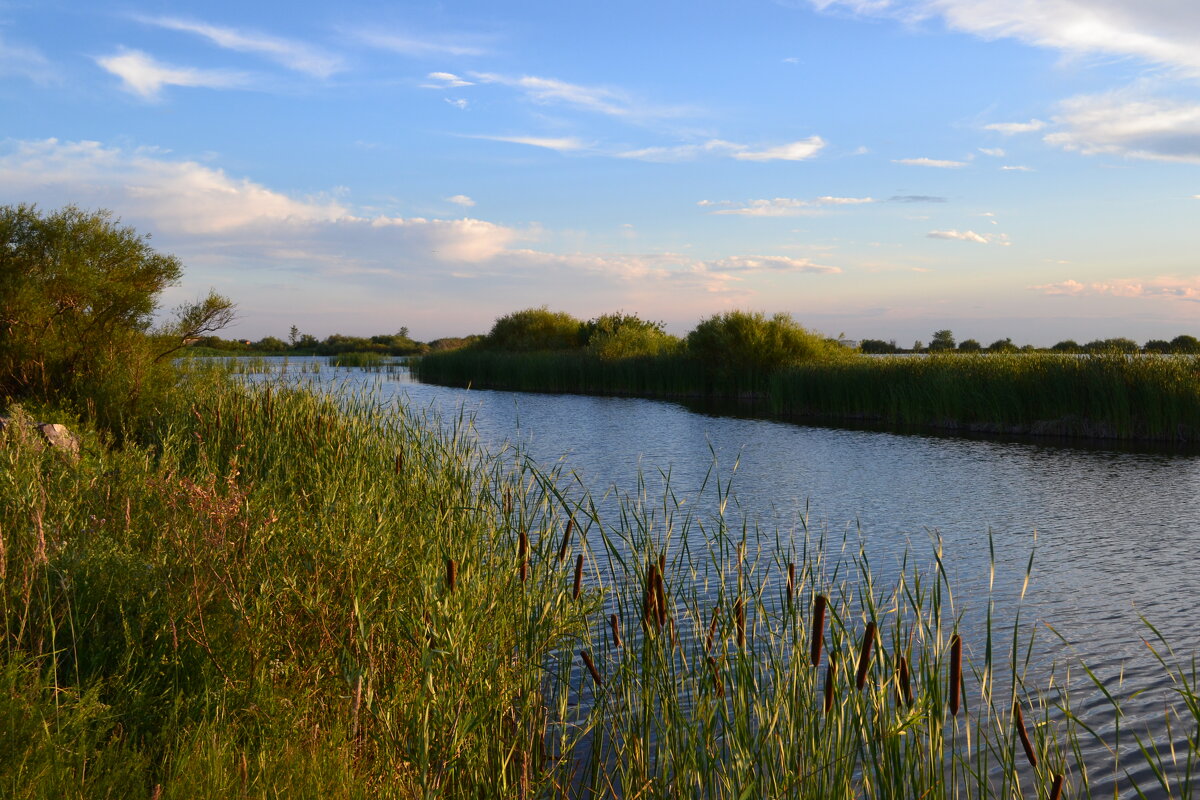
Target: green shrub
(535, 329)
(615, 336)
(748, 340)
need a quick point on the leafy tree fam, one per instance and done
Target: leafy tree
(1068, 346)
(1185, 344)
(1115, 345)
(78, 292)
(942, 341)
(1003, 346)
(969, 346)
(270, 344)
(1157, 346)
(745, 339)
(918, 346)
(878, 346)
(621, 335)
(535, 329)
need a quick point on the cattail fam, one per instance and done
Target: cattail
(739, 614)
(587, 662)
(578, 577)
(650, 598)
(507, 502)
(955, 672)
(716, 674)
(712, 629)
(1056, 788)
(399, 463)
(566, 542)
(791, 582)
(451, 574)
(615, 624)
(830, 677)
(355, 704)
(864, 656)
(905, 690)
(818, 628)
(1023, 734)
(523, 554)
(660, 598)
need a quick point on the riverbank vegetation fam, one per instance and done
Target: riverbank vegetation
(791, 372)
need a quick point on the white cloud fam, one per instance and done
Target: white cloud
(781, 206)
(1016, 168)
(143, 76)
(1172, 287)
(457, 102)
(1166, 33)
(563, 144)
(447, 80)
(25, 61)
(995, 152)
(552, 91)
(769, 264)
(419, 46)
(970, 236)
(793, 151)
(929, 162)
(461, 199)
(1010, 128)
(294, 55)
(1129, 124)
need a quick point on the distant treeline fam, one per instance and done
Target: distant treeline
(794, 372)
(395, 344)
(944, 341)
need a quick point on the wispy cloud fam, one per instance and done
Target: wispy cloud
(552, 91)
(461, 200)
(1167, 286)
(930, 162)
(994, 152)
(970, 236)
(1016, 168)
(142, 75)
(1010, 128)
(25, 61)
(793, 151)
(1128, 123)
(781, 206)
(446, 80)
(420, 46)
(294, 55)
(562, 144)
(769, 264)
(916, 198)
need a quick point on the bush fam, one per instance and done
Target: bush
(535, 329)
(749, 340)
(77, 295)
(615, 336)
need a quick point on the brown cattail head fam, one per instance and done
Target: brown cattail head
(1056, 788)
(830, 680)
(864, 656)
(399, 463)
(955, 673)
(591, 667)
(507, 502)
(712, 629)
(566, 542)
(615, 624)
(650, 598)
(451, 574)
(718, 684)
(905, 690)
(791, 583)
(1023, 735)
(523, 554)
(818, 628)
(578, 577)
(739, 616)
(660, 598)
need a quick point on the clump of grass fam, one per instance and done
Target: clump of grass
(361, 360)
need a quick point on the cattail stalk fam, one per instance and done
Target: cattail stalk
(578, 577)
(660, 597)
(1023, 735)
(399, 463)
(1056, 788)
(716, 675)
(905, 689)
(615, 624)
(955, 673)
(818, 628)
(523, 554)
(830, 678)
(650, 598)
(566, 542)
(591, 667)
(451, 574)
(791, 582)
(864, 656)
(739, 613)
(712, 629)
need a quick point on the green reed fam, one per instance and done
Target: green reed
(270, 592)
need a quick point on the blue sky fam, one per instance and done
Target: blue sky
(879, 168)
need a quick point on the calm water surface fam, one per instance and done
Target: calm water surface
(1115, 532)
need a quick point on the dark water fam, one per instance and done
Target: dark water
(1115, 532)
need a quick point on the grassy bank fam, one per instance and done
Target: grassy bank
(266, 593)
(1107, 396)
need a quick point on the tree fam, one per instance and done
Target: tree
(1157, 346)
(535, 329)
(878, 346)
(78, 292)
(621, 335)
(942, 341)
(1068, 346)
(969, 346)
(1185, 344)
(749, 340)
(1002, 346)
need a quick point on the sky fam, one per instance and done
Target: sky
(876, 168)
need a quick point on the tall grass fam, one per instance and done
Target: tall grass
(271, 593)
(1103, 396)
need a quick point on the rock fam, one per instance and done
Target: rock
(59, 437)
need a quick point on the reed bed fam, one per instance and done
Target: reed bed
(1102, 396)
(271, 593)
